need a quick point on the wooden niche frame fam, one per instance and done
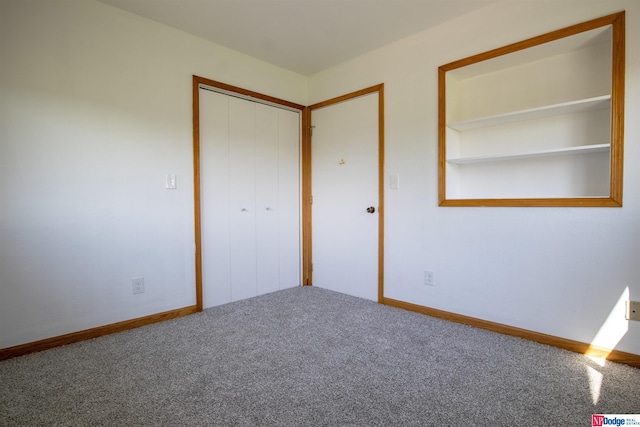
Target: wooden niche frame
(447, 127)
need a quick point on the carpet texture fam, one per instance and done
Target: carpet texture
(311, 357)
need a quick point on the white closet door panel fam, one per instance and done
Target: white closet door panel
(289, 198)
(214, 190)
(242, 225)
(267, 208)
(250, 198)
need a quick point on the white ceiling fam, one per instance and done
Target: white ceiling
(305, 36)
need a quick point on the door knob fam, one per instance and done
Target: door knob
(371, 209)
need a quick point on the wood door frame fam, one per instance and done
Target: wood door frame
(307, 270)
(196, 83)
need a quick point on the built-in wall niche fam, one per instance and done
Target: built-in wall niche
(536, 123)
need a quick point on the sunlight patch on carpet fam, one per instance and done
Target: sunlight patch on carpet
(595, 383)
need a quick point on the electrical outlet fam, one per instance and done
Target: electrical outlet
(429, 279)
(633, 310)
(138, 285)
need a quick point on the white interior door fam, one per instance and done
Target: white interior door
(344, 150)
(250, 198)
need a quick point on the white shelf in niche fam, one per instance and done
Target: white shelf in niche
(594, 148)
(587, 104)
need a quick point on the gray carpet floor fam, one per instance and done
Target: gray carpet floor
(310, 357)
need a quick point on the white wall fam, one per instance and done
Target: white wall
(558, 271)
(95, 109)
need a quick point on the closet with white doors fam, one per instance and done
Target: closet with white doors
(250, 197)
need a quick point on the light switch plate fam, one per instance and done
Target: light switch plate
(170, 181)
(394, 181)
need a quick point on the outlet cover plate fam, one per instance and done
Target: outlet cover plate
(633, 310)
(429, 279)
(138, 285)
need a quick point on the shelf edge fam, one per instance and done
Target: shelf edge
(586, 104)
(581, 149)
